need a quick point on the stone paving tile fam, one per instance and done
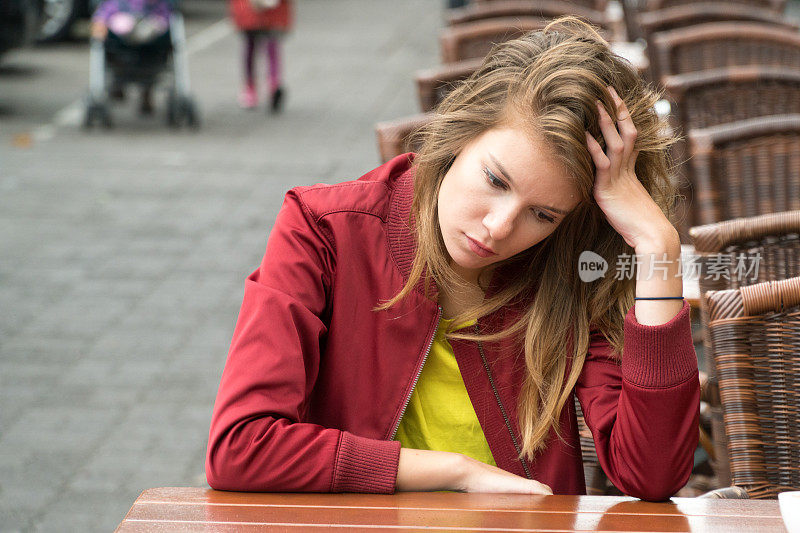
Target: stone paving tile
(79, 317)
(85, 511)
(66, 427)
(51, 349)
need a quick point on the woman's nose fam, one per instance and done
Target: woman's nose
(500, 222)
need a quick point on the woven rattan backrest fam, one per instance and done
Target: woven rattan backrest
(733, 254)
(395, 137)
(774, 5)
(597, 5)
(523, 8)
(681, 16)
(744, 251)
(756, 345)
(723, 44)
(712, 97)
(475, 39)
(745, 168)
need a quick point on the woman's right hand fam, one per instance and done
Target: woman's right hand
(429, 470)
(481, 477)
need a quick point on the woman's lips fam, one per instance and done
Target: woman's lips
(478, 248)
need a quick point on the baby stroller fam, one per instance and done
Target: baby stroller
(137, 52)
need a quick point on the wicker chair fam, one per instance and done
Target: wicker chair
(722, 44)
(475, 39)
(631, 10)
(712, 97)
(755, 333)
(681, 16)
(718, 96)
(745, 168)
(733, 254)
(434, 84)
(597, 483)
(597, 5)
(774, 237)
(523, 8)
(395, 137)
(776, 6)
(637, 11)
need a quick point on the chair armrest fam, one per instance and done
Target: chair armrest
(395, 136)
(434, 83)
(727, 493)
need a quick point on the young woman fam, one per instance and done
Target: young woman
(426, 327)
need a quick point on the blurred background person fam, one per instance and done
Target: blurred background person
(262, 22)
(138, 25)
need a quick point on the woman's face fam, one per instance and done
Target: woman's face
(503, 193)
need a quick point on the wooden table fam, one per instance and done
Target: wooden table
(197, 509)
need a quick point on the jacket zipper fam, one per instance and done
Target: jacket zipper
(502, 409)
(419, 372)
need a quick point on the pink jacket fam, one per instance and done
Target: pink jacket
(316, 381)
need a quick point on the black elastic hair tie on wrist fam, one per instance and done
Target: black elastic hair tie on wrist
(658, 298)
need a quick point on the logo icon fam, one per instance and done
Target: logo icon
(591, 266)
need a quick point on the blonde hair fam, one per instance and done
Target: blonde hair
(548, 81)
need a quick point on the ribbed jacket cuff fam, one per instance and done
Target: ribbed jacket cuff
(659, 356)
(366, 465)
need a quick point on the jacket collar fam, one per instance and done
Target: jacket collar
(400, 224)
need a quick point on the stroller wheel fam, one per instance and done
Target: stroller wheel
(105, 118)
(190, 109)
(97, 112)
(173, 111)
(181, 110)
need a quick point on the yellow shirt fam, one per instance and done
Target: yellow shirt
(440, 415)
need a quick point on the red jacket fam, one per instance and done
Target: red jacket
(246, 18)
(316, 381)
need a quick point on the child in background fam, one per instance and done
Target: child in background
(262, 21)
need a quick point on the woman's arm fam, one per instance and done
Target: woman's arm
(631, 211)
(643, 413)
(258, 439)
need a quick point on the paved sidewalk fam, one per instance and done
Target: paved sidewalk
(124, 256)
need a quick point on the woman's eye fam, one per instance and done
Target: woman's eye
(493, 179)
(544, 217)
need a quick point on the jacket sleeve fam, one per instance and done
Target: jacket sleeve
(643, 414)
(258, 440)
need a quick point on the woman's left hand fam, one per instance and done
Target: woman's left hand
(625, 202)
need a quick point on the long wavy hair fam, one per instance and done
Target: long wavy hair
(548, 82)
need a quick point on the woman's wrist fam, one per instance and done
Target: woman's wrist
(462, 468)
(659, 243)
(659, 277)
(429, 470)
